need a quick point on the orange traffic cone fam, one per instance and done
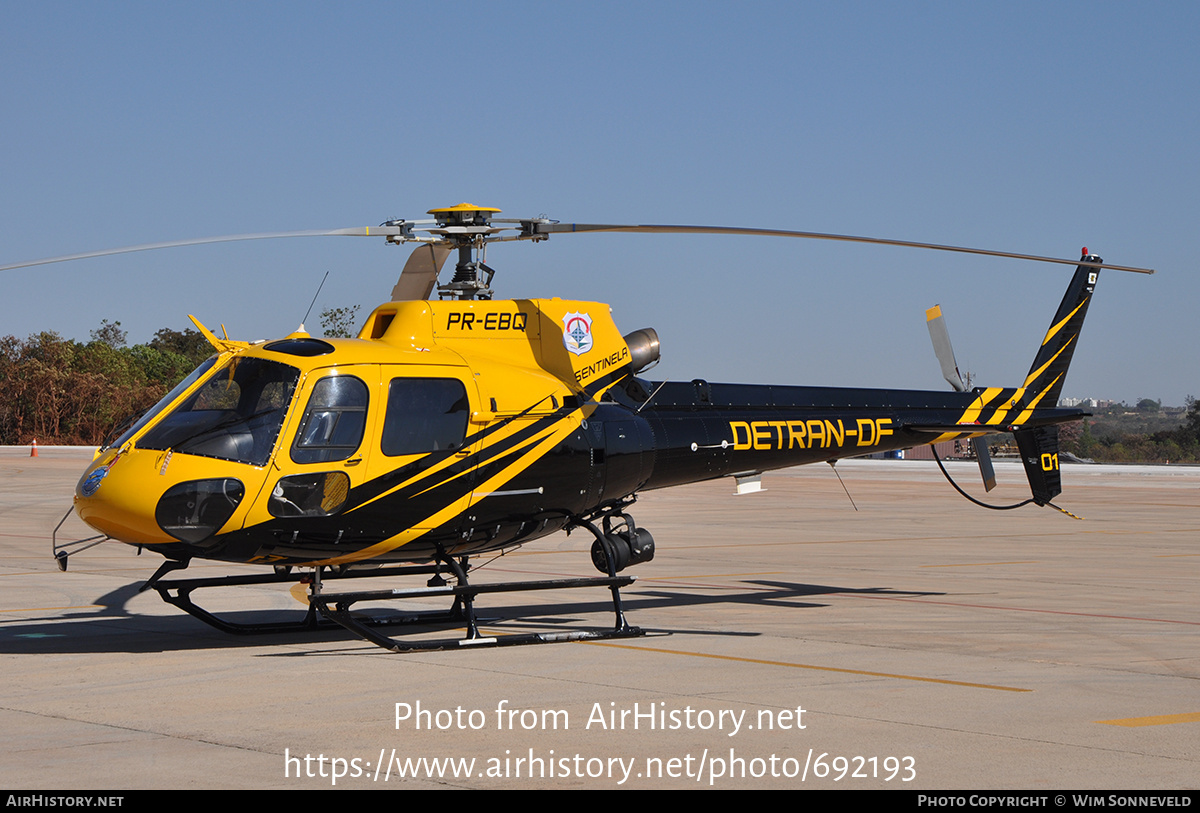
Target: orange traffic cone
(33, 449)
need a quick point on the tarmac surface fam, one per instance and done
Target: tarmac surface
(931, 644)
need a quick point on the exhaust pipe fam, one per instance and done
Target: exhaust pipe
(643, 348)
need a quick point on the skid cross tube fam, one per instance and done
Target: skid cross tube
(610, 560)
(336, 606)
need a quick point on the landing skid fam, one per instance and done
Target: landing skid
(331, 610)
(336, 608)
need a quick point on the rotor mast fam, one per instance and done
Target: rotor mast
(466, 227)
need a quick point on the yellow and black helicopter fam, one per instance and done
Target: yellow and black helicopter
(464, 425)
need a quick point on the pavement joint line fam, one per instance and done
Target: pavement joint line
(813, 667)
(133, 729)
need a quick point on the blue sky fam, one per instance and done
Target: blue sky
(1027, 127)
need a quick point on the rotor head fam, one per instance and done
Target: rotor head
(464, 214)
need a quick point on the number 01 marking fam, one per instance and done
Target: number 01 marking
(1050, 462)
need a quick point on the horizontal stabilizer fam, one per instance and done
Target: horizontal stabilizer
(956, 428)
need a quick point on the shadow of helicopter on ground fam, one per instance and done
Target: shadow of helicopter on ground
(114, 628)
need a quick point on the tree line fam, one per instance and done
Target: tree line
(60, 391)
(1178, 445)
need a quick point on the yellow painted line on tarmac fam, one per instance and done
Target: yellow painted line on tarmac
(914, 539)
(790, 543)
(810, 666)
(1162, 719)
(711, 576)
(650, 579)
(1018, 609)
(986, 564)
(1144, 533)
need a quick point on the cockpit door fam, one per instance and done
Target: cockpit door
(321, 457)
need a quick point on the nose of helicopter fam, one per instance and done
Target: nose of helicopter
(130, 497)
(116, 496)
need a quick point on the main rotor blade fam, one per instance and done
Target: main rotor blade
(361, 231)
(421, 272)
(536, 228)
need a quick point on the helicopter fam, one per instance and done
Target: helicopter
(463, 426)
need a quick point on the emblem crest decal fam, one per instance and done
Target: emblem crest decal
(92, 483)
(577, 333)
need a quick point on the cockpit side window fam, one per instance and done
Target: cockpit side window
(334, 421)
(424, 415)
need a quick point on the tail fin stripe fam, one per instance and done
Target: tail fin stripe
(1001, 411)
(1024, 416)
(975, 409)
(1033, 376)
(1058, 327)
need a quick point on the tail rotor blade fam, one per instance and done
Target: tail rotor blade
(941, 346)
(945, 353)
(985, 463)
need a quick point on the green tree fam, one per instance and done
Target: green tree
(1191, 424)
(1087, 441)
(187, 343)
(62, 391)
(110, 333)
(338, 323)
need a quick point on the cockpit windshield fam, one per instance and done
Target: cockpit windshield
(164, 402)
(235, 415)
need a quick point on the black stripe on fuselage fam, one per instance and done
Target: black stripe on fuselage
(380, 512)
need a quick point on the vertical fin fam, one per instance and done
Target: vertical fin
(1045, 380)
(1039, 453)
(1039, 446)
